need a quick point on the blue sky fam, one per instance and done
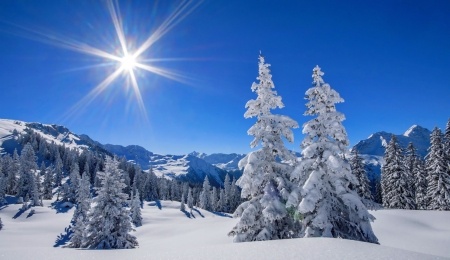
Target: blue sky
(389, 60)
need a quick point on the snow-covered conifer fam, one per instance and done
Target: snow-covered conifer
(327, 204)
(182, 207)
(378, 191)
(438, 191)
(109, 221)
(58, 169)
(420, 183)
(357, 166)
(12, 169)
(213, 198)
(135, 209)
(74, 181)
(221, 202)
(26, 182)
(79, 233)
(47, 192)
(265, 180)
(205, 195)
(83, 197)
(190, 199)
(227, 195)
(410, 163)
(395, 180)
(447, 141)
(2, 186)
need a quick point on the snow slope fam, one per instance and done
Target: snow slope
(168, 233)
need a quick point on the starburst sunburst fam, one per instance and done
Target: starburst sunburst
(127, 62)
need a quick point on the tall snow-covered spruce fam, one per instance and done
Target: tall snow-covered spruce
(395, 179)
(109, 221)
(265, 180)
(326, 202)
(438, 191)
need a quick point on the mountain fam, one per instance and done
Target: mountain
(377, 142)
(221, 160)
(372, 149)
(183, 167)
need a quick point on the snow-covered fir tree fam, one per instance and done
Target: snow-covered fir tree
(410, 163)
(357, 166)
(205, 195)
(79, 233)
(26, 183)
(58, 169)
(190, 200)
(326, 202)
(265, 180)
(227, 193)
(47, 189)
(378, 198)
(447, 141)
(83, 198)
(109, 221)
(135, 209)
(438, 191)
(395, 180)
(13, 169)
(420, 183)
(2, 186)
(74, 181)
(182, 207)
(1, 224)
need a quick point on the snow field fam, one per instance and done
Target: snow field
(168, 233)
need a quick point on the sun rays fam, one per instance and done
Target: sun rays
(126, 59)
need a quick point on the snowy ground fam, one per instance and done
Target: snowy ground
(168, 233)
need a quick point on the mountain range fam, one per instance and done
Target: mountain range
(195, 166)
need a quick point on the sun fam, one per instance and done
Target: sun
(128, 62)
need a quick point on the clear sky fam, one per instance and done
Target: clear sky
(389, 60)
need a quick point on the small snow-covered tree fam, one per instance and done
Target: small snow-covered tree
(58, 169)
(83, 197)
(13, 170)
(2, 186)
(378, 191)
(26, 182)
(205, 195)
(447, 141)
(47, 192)
(395, 180)
(438, 191)
(135, 209)
(326, 202)
(357, 166)
(420, 182)
(265, 179)
(74, 181)
(182, 207)
(79, 233)
(410, 163)
(190, 199)
(109, 221)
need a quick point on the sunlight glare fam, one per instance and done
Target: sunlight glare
(128, 62)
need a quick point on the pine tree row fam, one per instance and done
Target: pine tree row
(407, 182)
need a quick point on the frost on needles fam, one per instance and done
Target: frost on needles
(265, 180)
(324, 199)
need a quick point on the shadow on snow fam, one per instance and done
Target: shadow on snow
(63, 238)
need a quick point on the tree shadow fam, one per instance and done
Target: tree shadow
(31, 213)
(186, 213)
(20, 212)
(63, 238)
(4, 206)
(198, 212)
(61, 207)
(221, 214)
(156, 203)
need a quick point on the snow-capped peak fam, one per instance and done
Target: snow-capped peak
(417, 132)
